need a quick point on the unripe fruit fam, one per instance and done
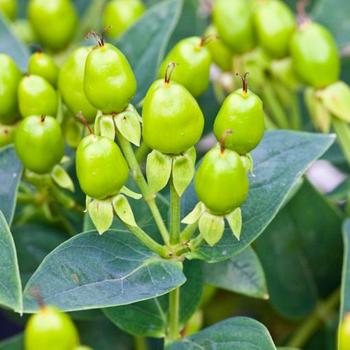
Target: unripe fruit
(221, 182)
(344, 334)
(44, 66)
(172, 120)
(119, 15)
(315, 56)
(39, 143)
(193, 61)
(234, 22)
(71, 84)
(6, 134)
(109, 82)
(36, 97)
(101, 167)
(10, 76)
(275, 24)
(9, 8)
(54, 22)
(50, 329)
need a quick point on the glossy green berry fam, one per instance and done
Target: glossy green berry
(9, 9)
(220, 53)
(71, 84)
(242, 112)
(50, 329)
(6, 134)
(10, 76)
(344, 334)
(109, 82)
(234, 22)
(44, 66)
(172, 119)
(221, 182)
(36, 97)
(315, 55)
(39, 143)
(193, 61)
(54, 22)
(275, 24)
(101, 167)
(119, 15)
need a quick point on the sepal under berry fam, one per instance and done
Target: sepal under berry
(211, 227)
(194, 215)
(129, 193)
(248, 163)
(182, 172)
(101, 214)
(123, 210)
(61, 178)
(234, 220)
(107, 127)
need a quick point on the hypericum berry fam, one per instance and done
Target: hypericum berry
(344, 334)
(221, 181)
(6, 134)
(275, 24)
(54, 22)
(9, 8)
(193, 61)
(43, 65)
(242, 112)
(36, 97)
(101, 167)
(10, 76)
(315, 55)
(50, 329)
(119, 15)
(172, 119)
(39, 143)
(109, 82)
(71, 84)
(234, 21)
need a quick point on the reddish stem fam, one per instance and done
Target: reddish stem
(207, 39)
(244, 82)
(81, 117)
(303, 17)
(169, 71)
(35, 292)
(223, 139)
(99, 38)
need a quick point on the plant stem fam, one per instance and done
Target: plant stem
(175, 215)
(312, 323)
(295, 113)
(140, 343)
(342, 130)
(142, 152)
(143, 186)
(174, 312)
(188, 232)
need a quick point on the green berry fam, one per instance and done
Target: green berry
(44, 66)
(234, 22)
(50, 329)
(193, 61)
(119, 15)
(10, 76)
(36, 97)
(109, 82)
(9, 9)
(315, 55)
(172, 120)
(53, 21)
(101, 167)
(6, 134)
(221, 182)
(82, 348)
(71, 84)
(39, 143)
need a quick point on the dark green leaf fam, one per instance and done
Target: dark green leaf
(345, 292)
(149, 318)
(234, 333)
(341, 192)
(10, 176)
(10, 282)
(279, 162)
(242, 274)
(91, 271)
(145, 43)
(14, 343)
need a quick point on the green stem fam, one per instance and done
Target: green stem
(313, 322)
(149, 197)
(140, 343)
(342, 130)
(188, 232)
(295, 113)
(196, 242)
(174, 312)
(142, 152)
(175, 215)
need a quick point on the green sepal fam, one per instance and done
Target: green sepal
(65, 159)
(283, 71)
(192, 153)
(194, 215)
(130, 193)
(248, 163)
(61, 178)
(107, 127)
(123, 210)
(128, 124)
(211, 228)
(182, 173)
(73, 132)
(97, 130)
(336, 98)
(158, 170)
(101, 214)
(234, 220)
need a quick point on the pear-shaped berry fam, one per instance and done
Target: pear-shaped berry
(9, 8)
(43, 65)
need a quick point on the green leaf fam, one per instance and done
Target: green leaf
(14, 343)
(10, 175)
(345, 289)
(303, 234)
(242, 274)
(91, 271)
(233, 333)
(149, 318)
(10, 283)
(144, 44)
(280, 160)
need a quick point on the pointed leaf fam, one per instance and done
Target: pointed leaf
(101, 214)
(158, 170)
(234, 220)
(192, 153)
(211, 227)
(130, 193)
(194, 215)
(61, 177)
(123, 210)
(183, 172)
(14, 343)
(128, 124)
(107, 127)
(90, 271)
